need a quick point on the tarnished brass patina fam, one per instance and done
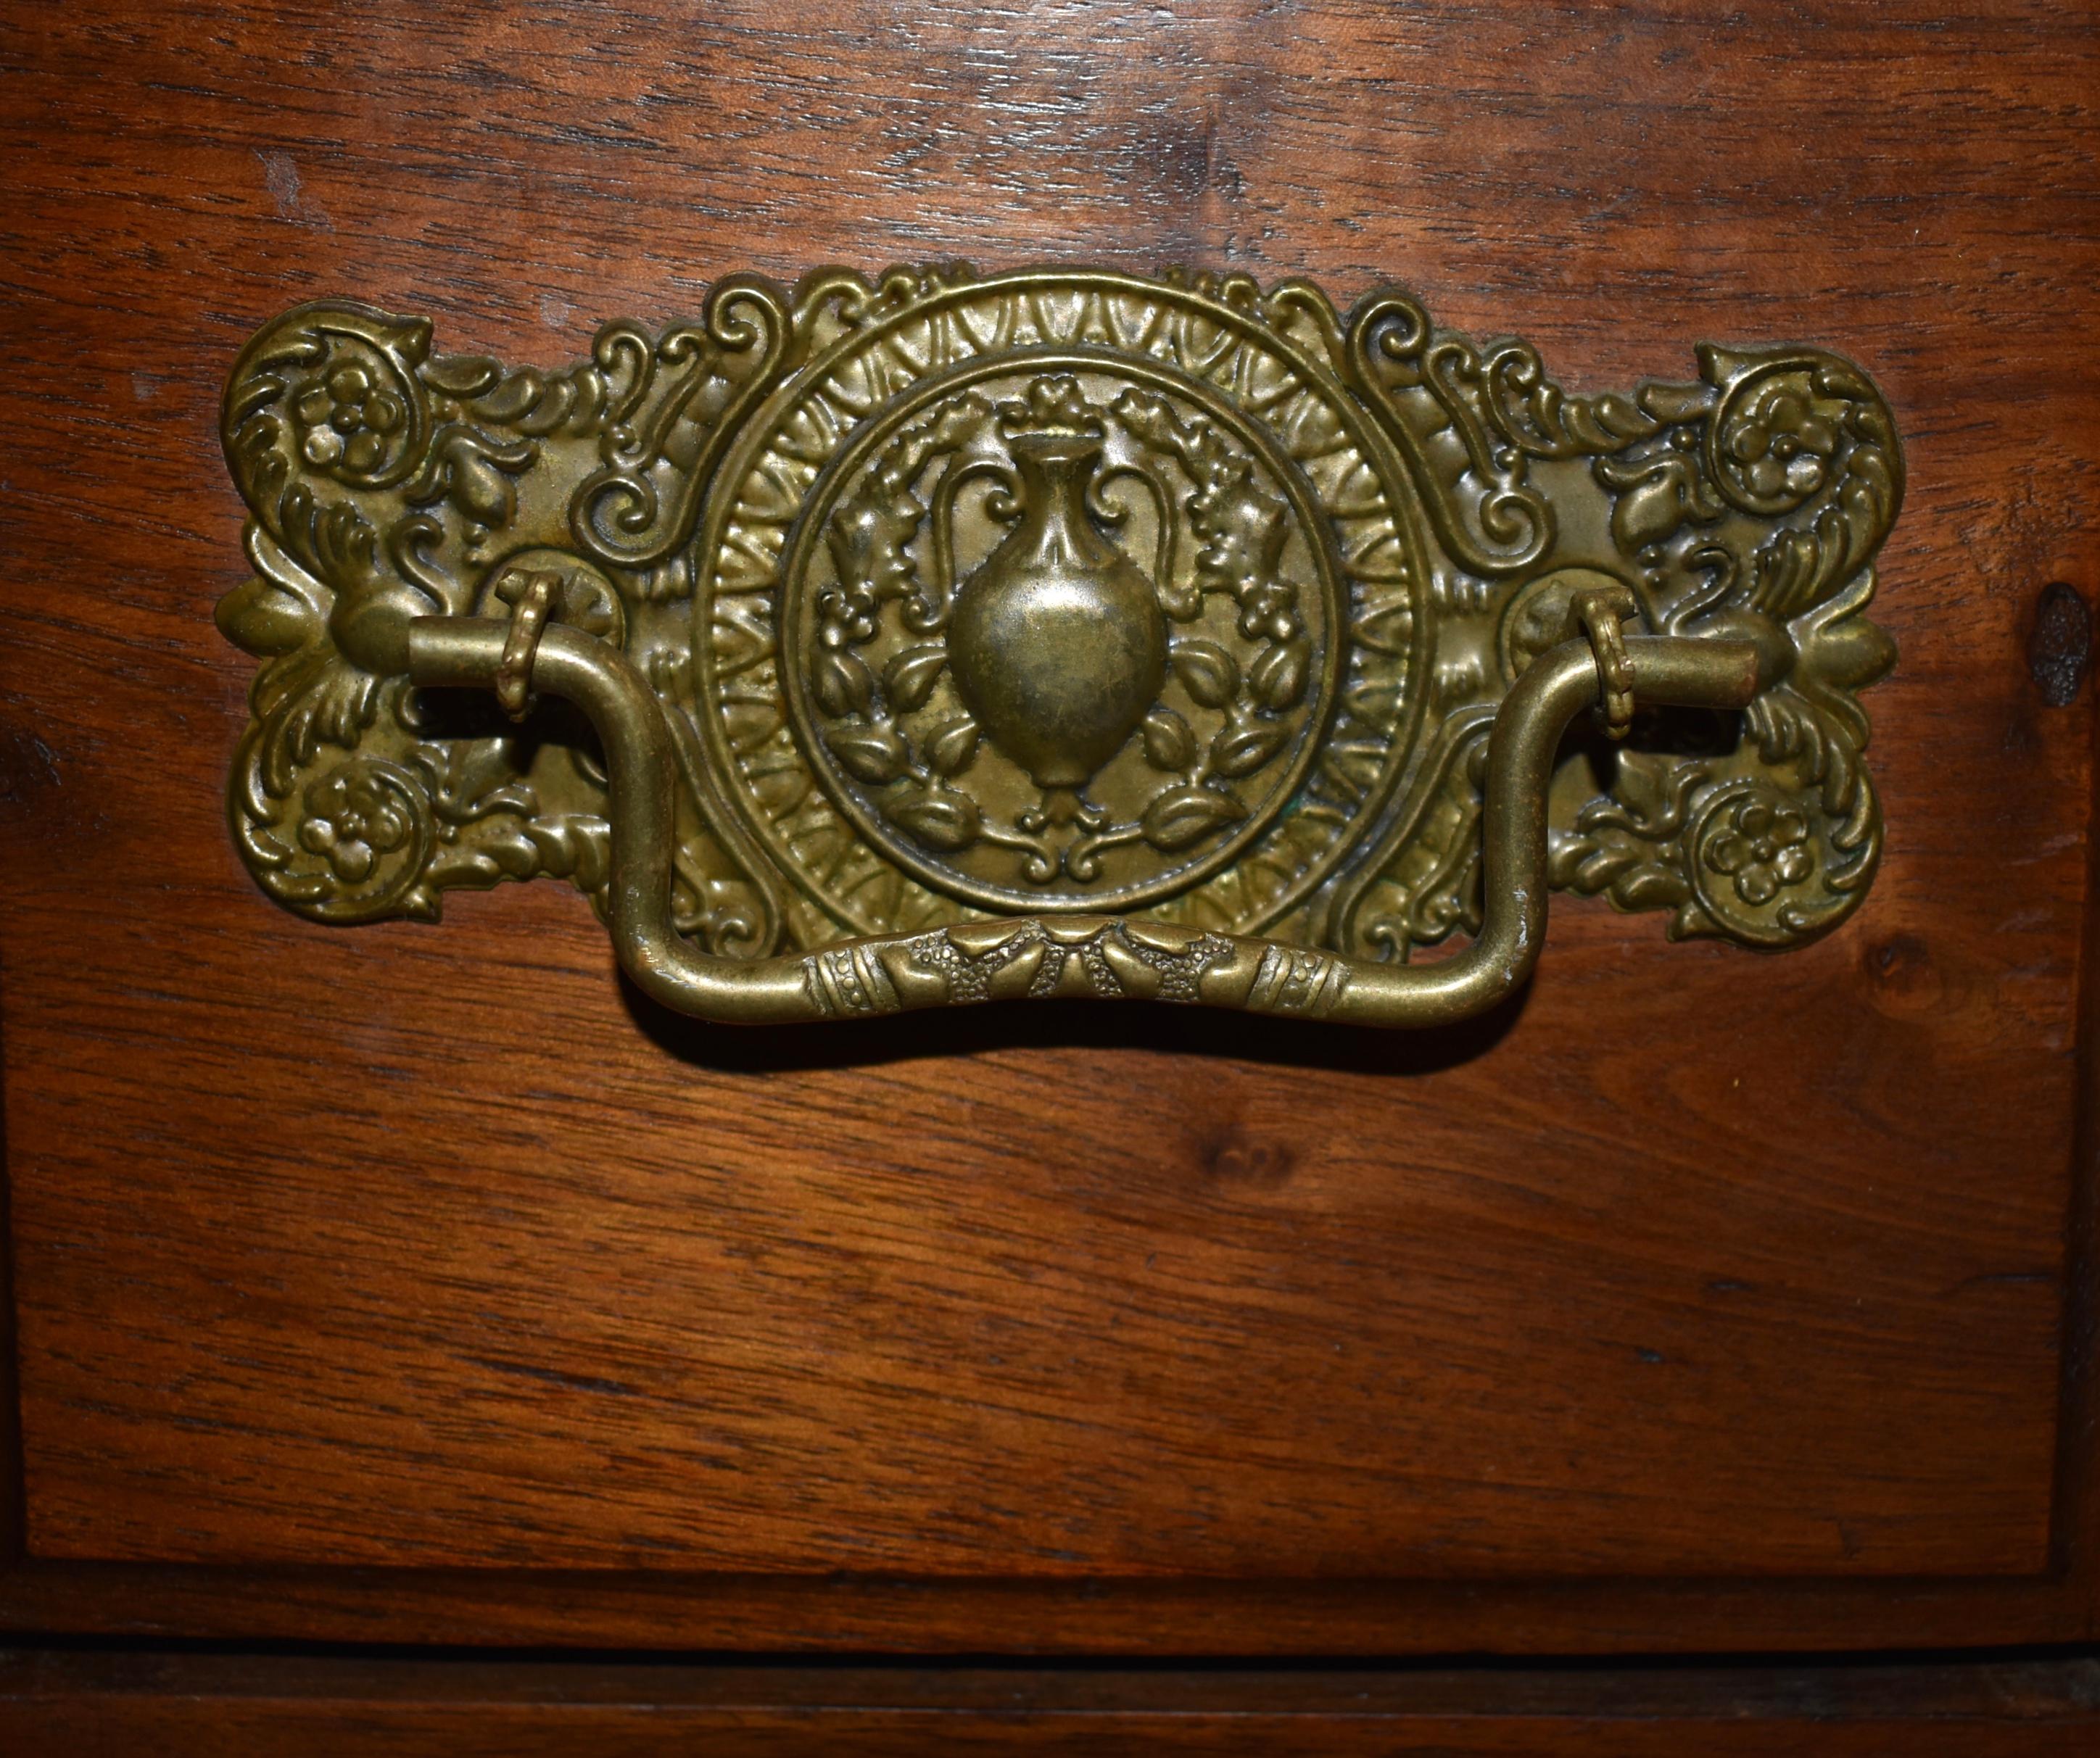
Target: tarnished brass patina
(947, 637)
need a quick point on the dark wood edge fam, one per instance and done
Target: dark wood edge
(14, 1470)
(2075, 1501)
(2060, 1688)
(1135, 1618)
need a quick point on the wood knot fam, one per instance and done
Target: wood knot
(1904, 979)
(2060, 646)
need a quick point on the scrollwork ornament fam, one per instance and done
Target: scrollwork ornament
(387, 483)
(681, 400)
(1756, 517)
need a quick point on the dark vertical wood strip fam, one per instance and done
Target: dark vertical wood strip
(2077, 1500)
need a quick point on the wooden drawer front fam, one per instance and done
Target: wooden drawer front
(427, 1284)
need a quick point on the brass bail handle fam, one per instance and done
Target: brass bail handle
(1060, 955)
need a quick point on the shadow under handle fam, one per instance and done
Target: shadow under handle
(1032, 955)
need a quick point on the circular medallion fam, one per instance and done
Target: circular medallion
(1063, 631)
(1091, 595)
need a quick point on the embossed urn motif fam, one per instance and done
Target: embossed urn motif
(1058, 642)
(1063, 633)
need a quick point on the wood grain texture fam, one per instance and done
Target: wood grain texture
(424, 1251)
(169, 1707)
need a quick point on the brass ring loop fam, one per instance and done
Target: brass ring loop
(1599, 614)
(528, 622)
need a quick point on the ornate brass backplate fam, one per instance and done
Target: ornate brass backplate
(944, 637)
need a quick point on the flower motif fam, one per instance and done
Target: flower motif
(347, 417)
(1779, 447)
(353, 819)
(1763, 848)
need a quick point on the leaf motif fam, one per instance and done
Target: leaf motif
(843, 685)
(951, 745)
(1242, 749)
(1564, 860)
(1207, 670)
(1149, 418)
(473, 473)
(907, 680)
(1651, 887)
(462, 375)
(275, 610)
(1639, 783)
(871, 753)
(480, 490)
(573, 848)
(939, 818)
(1277, 675)
(1184, 815)
(1599, 870)
(335, 709)
(1169, 745)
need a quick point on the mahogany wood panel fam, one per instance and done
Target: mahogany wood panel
(170, 1707)
(1698, 1298)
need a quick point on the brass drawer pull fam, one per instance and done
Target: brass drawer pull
(1077, 955)
(1062, 632)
